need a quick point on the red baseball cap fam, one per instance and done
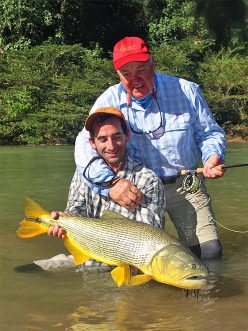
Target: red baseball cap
(103, 111)
(130, 49)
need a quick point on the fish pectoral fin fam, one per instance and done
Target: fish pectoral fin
(139, 279)
(76, 251)
(121, 274)
(30, 229)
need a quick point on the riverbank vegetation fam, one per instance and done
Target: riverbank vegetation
(55, 59)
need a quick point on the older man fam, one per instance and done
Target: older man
(171, 128)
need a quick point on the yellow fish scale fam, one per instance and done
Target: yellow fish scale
(114, 241)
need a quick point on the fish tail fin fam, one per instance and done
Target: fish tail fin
(30, 227)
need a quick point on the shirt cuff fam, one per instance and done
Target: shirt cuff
(206, 157)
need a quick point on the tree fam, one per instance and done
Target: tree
(227, 20)
(27, 22)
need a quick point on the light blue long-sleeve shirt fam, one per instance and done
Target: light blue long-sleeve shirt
(188, 130)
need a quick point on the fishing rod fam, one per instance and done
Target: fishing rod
(219, 167)
(192, 180)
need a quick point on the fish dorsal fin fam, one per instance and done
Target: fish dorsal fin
(33, 210)
(121, 274)
(109, 214)
(79, 255)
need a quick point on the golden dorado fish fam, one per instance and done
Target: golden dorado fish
(122, 243)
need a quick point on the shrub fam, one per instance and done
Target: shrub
(47, 91)
(224, 78)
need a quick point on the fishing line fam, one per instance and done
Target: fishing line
(192, 182)
(226, 228)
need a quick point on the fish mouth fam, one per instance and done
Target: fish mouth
(194, 282)
(198, 282)
(192, 276)
(196, 278)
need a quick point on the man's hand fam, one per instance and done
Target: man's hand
(209, 170)
(126, 194)
(56, 230)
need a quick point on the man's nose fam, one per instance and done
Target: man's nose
(134, 77)
(111, 144)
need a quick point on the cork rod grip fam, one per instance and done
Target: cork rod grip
(200, 170)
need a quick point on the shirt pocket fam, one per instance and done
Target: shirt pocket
(178, 135)
(178, 122)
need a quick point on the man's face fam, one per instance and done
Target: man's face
(137, 78)
(110, 141)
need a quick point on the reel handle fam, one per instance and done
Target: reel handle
(200, 170)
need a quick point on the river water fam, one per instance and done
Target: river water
(90, 300)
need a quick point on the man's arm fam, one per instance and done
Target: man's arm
(98, 171)
(210, 137)
(152, 210)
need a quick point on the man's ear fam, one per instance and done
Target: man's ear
(93, 145)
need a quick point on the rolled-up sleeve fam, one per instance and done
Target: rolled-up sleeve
(210, 137)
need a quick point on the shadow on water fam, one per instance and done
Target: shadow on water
(28, 268)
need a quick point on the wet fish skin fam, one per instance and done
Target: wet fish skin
(122, 243)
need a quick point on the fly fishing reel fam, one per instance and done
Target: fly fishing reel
(191, 182)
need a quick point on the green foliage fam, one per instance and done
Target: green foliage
(227, 20)
(47, 91)
(224, 78)
(27, 22)
(172, 60)
(182, 30)
(24, 23)
(54, 58)
(178, 20)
